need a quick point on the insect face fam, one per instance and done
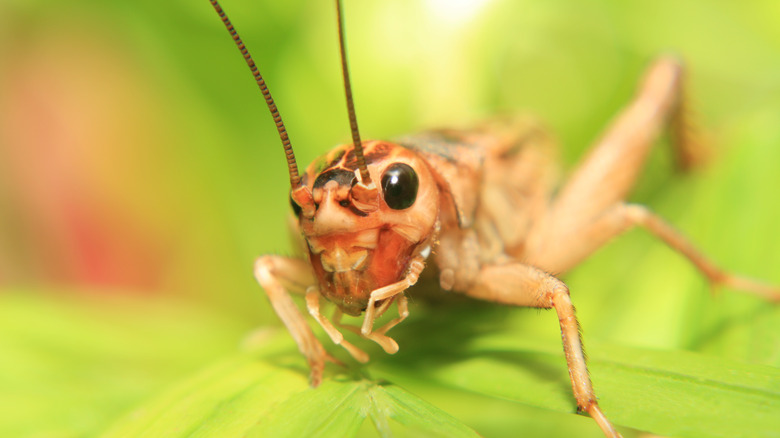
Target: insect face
(355, 250)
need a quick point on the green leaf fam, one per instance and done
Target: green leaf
(70, 365)
(267, 394)
(669, 393)
(248, 396)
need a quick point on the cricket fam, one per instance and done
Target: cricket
(481, 207)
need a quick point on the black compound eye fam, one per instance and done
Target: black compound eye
(400, 184)
(295, 207)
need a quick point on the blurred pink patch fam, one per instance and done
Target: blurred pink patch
(70, 111)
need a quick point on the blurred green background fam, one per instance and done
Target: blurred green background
(141, 174)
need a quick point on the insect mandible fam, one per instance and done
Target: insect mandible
(374, 213)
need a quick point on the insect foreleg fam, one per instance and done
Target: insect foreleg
(403, 312)
(522, 285)
(313, 304)
(384, 293)
(378, 336)
(278, 275)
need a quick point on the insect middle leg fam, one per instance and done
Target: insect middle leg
(279, 276)
(522, 285)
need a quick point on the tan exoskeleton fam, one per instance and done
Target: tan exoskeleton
(480, 204)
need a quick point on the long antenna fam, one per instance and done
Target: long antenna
(292, 166)
(361, 160)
